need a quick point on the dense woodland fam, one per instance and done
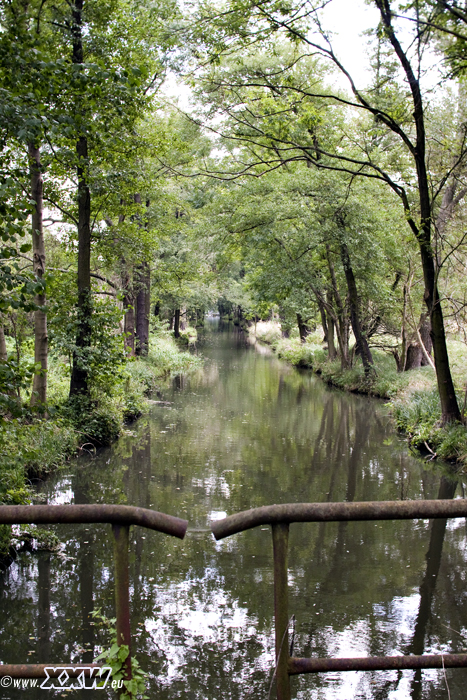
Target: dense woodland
(287, 190)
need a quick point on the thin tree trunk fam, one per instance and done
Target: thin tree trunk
(360, 339)
(143, 297)
(303, 328)
(332, 353)
(148, 307)
(41, 342)
(3, 350)
(79, 383)
(129, 324)
(143, 281)
(402, 360)
(422, 231)
(177, 323)
(183, 323)
(324, 323)
(342, 326)
(129, 309)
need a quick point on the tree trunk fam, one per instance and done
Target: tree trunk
(129, 309)
(415, 356)
(80, 372)
(360, 340)
(303, 328)
(401, 360)
(422, 231)
(3, 350)
(449, 406)
(177, 323)
(342, 325)
(332, 353)
(183, 323)
(285, 326)
(41, 342)
(143, 295)
(425, 334)
(143, 281)
(324, 323)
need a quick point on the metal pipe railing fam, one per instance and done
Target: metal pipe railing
(38, 670)
(94, 513)
(280, 517)
(332, 512)
(120, 517)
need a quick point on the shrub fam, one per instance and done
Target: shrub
(165, 357)
(96, 420)
(29, 449)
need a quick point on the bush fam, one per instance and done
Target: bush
(29, 449)
(419, 415)
(96, 420)
(267, 332)
(417, 412)
(34, 448)
(164, 356)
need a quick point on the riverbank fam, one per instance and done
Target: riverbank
(31, 447)
(412, 396)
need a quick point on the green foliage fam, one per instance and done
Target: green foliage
(97, 421)
(32, 448)
(105, 357)
(188, 336)
(14, 377)
(419, 415)
(165, 357)
(266, 332)
(34, 538)
(116, 657)
(309, 355)
(17, 286)
(29, 449)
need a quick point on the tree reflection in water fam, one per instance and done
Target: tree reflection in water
(245, 432)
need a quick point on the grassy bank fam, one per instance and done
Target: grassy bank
(412, 395)
(31, 446)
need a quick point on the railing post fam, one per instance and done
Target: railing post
(122, 590)
(280, 542)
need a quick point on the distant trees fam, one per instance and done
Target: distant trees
(295, 207)
(280, 109)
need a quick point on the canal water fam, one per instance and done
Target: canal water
(246, 431)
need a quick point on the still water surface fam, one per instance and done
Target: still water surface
(248, 431)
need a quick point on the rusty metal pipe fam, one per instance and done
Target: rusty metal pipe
(37, 670)
(280, 542)
(95, 513)
(122, 591)
(377, 663)
(322, 512)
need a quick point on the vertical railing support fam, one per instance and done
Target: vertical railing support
(122, 590)
(280, 542)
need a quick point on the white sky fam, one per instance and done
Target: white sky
(346, 19)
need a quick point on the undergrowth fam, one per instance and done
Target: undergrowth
(31, 445)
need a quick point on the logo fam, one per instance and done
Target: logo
(76, 678)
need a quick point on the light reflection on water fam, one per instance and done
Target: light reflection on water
(247, 431)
